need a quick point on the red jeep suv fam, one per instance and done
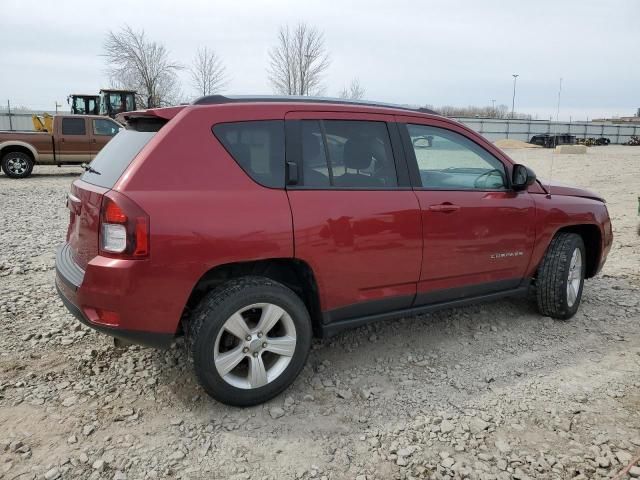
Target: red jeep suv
(250, 224)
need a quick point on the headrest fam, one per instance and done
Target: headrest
(310, 145)
(358, 152)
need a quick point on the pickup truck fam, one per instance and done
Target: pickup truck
(74, 139)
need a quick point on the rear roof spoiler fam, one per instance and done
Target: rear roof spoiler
(150, 120)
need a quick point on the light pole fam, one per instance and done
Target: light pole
(559, 93)
(513, 100)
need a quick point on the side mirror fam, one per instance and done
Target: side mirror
(522, 177)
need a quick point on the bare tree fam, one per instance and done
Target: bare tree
(208, 74)
(354, 91)
(136, 63)
(298, 61)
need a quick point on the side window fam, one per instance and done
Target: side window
(73, 126)
(347, 154)
(450, 161)
(105, 127)
(258, 147)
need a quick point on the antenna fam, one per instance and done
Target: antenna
(555, 137)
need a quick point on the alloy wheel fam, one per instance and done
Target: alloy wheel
(255, 345)
(17, 165)
(574, 277)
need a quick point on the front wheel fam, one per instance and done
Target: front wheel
(561, 277)
(249, 339)
(17, 165)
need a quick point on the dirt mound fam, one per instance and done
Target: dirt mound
(510, 143)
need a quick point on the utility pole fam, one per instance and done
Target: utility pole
(9, 113)
(513, 100)
(57, 105)
(493, 107)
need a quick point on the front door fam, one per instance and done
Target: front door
(103, 130)
(478, 232)
(356, 220)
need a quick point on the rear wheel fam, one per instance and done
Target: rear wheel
(561, 277)
(249, 340)
(17, 164)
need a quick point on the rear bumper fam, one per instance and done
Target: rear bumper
(70, 286)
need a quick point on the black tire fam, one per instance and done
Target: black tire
(17, 164)
(553, 277)
(216, 308)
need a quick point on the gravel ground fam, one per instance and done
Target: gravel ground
(487, 392)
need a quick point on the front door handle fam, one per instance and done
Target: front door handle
(444, 208)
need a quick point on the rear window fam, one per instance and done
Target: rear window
(258, 147)
(115, 157)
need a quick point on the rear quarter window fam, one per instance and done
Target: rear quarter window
(115, 157)
(258, 147)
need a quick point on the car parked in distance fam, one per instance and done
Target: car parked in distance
(74, 139)
(251, 224)
(551, 141)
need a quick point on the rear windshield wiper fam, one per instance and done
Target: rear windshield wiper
(90, 169)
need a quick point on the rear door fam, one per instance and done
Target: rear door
(478, 233)
(356, 220)
(102, 130)
(73, 141)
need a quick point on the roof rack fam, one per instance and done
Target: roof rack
(223, 99)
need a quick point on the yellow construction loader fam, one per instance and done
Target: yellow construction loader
(110, 102)
(42, 123)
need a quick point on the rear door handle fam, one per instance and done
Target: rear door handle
(444, 208)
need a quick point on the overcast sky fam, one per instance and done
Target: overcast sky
(412, 52)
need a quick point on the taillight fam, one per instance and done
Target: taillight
(124, 227)
(113, 213)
